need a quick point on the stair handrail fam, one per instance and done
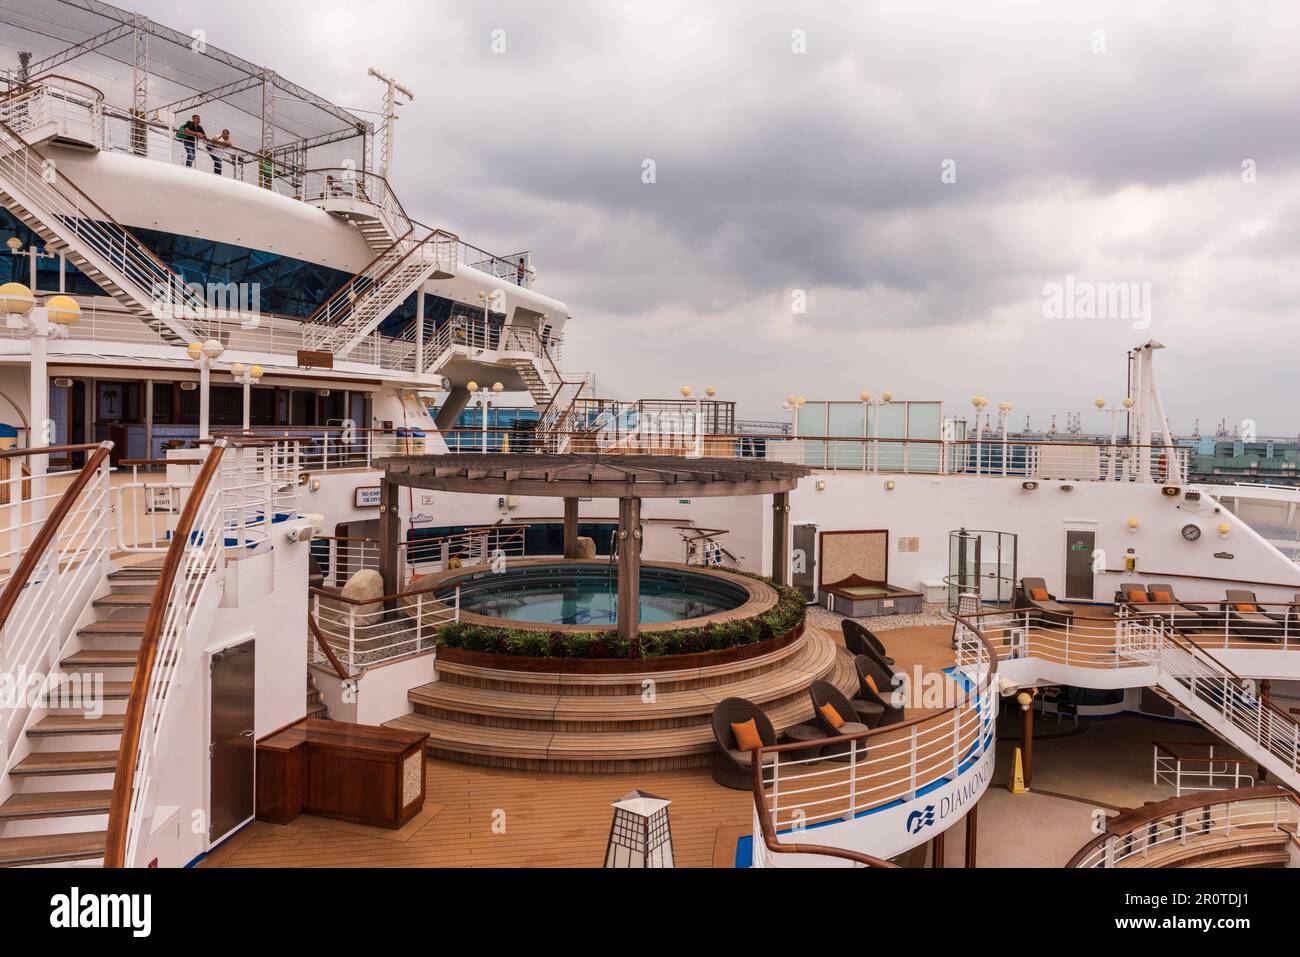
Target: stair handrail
(1100, 851)
(54, 577)
(972, 648)
(199, 531)
(49, 529)
(93, 224)
(325, 321)
(1172, 634)
(329, 652)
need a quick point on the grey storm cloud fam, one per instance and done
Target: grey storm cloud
(1104, 141)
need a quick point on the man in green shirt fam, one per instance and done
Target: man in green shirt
(188, 132)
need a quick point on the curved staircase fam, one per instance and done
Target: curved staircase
(603, 723)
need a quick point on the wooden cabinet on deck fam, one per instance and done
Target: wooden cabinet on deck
(353, 772)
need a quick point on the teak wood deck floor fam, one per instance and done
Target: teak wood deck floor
(490, 817)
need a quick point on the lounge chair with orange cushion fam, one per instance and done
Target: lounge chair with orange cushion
(1182, 615)
(1033, 594)
(836, 716)
(875, 688)
(734, 718)
(1246, 619)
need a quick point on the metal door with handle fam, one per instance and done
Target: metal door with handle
(1079, 546)
(231, 749)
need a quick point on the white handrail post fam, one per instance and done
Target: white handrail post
(352, 639)
(853, 780)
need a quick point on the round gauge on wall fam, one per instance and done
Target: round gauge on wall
(1191, 532)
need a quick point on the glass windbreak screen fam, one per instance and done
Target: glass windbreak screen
(845, 420)
(924, 421)
(812, 422)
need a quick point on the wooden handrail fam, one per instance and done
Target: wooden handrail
(757, 763)
(1133, 819)
(47, 450)
(128, 750)
(325, 647)
(49, 529)
(133, 463)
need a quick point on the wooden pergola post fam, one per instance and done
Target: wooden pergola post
(972, 834)
(629, 567)
(390, 536)
(936, 850)
(781, 538)
(1027, 743)
(570, 527)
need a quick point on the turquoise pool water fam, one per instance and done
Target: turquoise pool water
(587, 595)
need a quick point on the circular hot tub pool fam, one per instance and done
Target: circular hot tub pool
(574, 593)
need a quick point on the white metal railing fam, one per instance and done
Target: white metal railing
(177, 650)
(1228, 704)
(369, 296)
(885, 765)
(1075, 461)
(73, 108)
(1189, 766)
(342, 557)
(1223, 825)
(54, 594)
(366, 634)
(1228, 623)
(92, 234)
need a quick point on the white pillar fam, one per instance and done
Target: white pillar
(40, 409)
(205, 380)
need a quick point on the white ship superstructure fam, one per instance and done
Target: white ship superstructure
(241, 375)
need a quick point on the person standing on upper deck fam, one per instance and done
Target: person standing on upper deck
(215, 152)
(520, 271)
(190, 130)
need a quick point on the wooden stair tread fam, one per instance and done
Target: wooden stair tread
(101, 658)
(77, 724)
(135, 628)
(55, 804)
(109, 690)
(51, 848)
(124, 601)
(67, 762)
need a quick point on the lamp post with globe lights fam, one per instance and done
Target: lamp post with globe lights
(247, 377)
(1122, 409)
(38, 324)
(484, 398)
(205, 354)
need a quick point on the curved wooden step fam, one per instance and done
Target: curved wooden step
(1240, 848)
(553, 747)
(545, 711)
(563, 683)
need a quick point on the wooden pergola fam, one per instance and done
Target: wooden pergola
(628, 478)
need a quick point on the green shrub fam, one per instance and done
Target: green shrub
(786, 614)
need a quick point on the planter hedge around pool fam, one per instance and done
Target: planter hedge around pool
(684, 647)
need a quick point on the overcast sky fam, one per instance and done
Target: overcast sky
(1103, 141)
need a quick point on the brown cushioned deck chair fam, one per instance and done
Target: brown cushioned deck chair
(734, 767)
(823, 693)
(1247, 620)
(1033, 595)
(1166, 604)
(882, 694)
(861, 640)
(1290, 615)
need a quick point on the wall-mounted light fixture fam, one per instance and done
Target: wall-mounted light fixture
(1029, 486)
(1134, 524)
(1224, 529)
(889, 485)
(820, 485)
